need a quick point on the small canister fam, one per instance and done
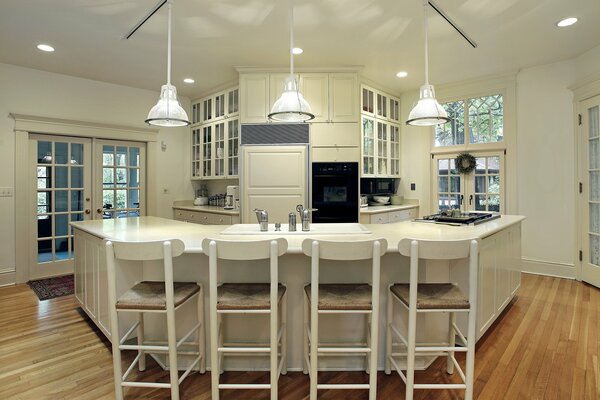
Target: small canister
(292, 222)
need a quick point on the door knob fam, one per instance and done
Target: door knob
(99, 211)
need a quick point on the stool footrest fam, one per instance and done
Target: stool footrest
(339, 386)
(244, 349)
(343, 350)
(440, 386)
(146, 384)
(244, 386)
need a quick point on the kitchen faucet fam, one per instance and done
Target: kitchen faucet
(305, 216)
(263, 219)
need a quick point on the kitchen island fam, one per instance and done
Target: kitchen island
(499, 276)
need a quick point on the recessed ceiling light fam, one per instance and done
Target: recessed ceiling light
(402, 74)
(566, 22)
(189, 80)
(45, 47)
(297, 50)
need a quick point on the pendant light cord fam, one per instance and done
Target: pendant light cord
(291, 37)
(169, 44)
(425, 5)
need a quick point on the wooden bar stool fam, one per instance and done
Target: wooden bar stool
(247, 298)
(152, 297)
(434, 297)
(355, 298)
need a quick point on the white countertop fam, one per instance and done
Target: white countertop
(209, 209)
(154, 228)
(388, 208)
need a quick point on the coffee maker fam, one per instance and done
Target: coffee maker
(232, 198)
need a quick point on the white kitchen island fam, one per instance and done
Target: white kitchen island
(499, 276)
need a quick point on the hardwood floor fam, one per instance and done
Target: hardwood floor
(545, 346)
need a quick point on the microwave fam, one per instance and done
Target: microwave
(377, 186)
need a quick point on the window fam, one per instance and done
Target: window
(481, 117)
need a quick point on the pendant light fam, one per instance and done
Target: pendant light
(427, 111)
(291, 105)
(168, 112)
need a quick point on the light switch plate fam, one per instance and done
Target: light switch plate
(6, 192)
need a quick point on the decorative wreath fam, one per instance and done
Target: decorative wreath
(465, 163)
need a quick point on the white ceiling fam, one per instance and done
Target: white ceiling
(210, 37)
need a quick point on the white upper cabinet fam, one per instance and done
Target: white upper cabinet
(380, 132)
(315, 89)
(333, 97)
(223, 104)
(254, 98)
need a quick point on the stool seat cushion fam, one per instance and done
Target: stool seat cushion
(433, 296)
(343, 296)
(150, 295)
(246, 296)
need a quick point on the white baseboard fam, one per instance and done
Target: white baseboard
(539, 267)
(7, 277)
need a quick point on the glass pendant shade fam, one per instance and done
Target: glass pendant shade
(291, 106)
(168, 112)
(427, 111)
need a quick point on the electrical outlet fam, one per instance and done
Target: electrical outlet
(6, 192)
(413, 186)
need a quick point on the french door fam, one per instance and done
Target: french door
(480, 190)
(61, 187)
(119, 179)
(77, 179)
(590, 193)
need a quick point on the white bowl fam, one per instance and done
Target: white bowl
(381, 199)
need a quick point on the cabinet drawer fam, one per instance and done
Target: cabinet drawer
(403, 215)
(333, 154)
(179, 215)
(219, 219)
(382, 218)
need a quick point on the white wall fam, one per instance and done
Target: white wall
(546, 167)
(32, 92)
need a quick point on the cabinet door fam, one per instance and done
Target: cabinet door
(233, 102)
(196, 152)
(335, 154)
(332, 135)
(207, 109)
(79, 268)
(382, 149)
(207, 154)
(368, 146)
(275, 179)
(219, 102)
(368, 101)
(382, 106)
(315, 89)
(403, 215)
(196, 112)
(233, 146)
(219, 149)
(394, 112)
(394, 150)
(254, 95)
(486, 310)
(343, 103)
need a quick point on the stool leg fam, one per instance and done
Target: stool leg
(116, 354)
(368, 355)
(314, 344)
(273, 345)
(388, 333)
(304, 332)
(284, 334)
(410, 360)
(471, 338)
(140, 335)
(172, 339)
(201, 332)
(451, 342)
(214, 353)
(221, 340)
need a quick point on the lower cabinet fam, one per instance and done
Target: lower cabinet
(389, 217)
(91, 284)
(499, 275)
(205, 218)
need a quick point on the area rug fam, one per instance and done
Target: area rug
(52, 287)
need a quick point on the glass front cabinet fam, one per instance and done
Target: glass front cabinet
(380, 144)
(215, 136)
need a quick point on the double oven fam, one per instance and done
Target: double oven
(335, 192)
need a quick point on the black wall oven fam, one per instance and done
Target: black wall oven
(335, 191)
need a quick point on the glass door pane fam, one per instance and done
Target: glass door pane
(121, 179)
(448, 184)
(62, 194)
(593, 171)
(486, 193)
(368, 146)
